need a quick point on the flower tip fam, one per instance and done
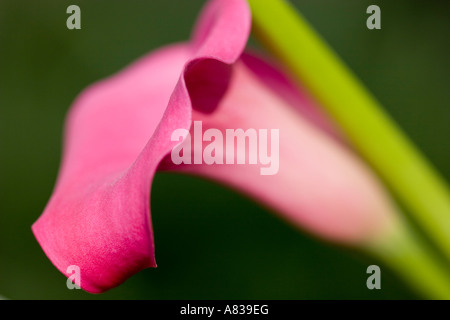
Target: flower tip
(92, 269)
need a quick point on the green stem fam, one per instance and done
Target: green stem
(403, 251)
(372, 133)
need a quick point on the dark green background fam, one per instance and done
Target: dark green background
(211, 243)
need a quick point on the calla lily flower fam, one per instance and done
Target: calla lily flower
(119, 133)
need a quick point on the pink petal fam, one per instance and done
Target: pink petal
(320, 185)
(271, 76)
(98, 217)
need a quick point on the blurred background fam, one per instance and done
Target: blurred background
(211, 243)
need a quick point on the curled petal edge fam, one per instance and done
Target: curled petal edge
(98, 217)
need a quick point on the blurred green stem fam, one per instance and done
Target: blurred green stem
(372, 133)
(413, 261)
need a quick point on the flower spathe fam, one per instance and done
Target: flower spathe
(118, 134)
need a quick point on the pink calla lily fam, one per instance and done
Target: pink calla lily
(118, 134)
